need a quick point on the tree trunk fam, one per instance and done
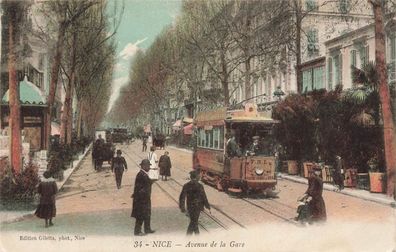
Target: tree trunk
(298, 45)
(54, 82)
(224, 81)
(15, 109)
(248, 86)
(66, 113)
(389, 145)
(79, 118)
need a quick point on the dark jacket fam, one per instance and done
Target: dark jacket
(196, 197)
(118, 164)
(141, 196)
(232, 149)
(317, 204)
(165, 165)
(47, 191)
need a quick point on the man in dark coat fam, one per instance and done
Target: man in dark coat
(165, 165)
(338, 178)
(316, 203)
(141, 209)
(196, 201)
(118, 165)
(232, 150)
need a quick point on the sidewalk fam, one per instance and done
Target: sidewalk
(357, 193)
(14, 216)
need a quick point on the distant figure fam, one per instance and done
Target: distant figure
(118, 165)
(165, 165)
(232, 150)
(47, 190)
(144, 141)
(254, 149)
(196, 201)
(316, 203)
(338, 178)
(141, 209)
(152, 157)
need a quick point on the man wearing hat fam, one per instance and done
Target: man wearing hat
(196, 201)
(254, 148)
(118, 165)
(315, 188)
(141, 209)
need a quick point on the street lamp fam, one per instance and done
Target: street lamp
(279, 93)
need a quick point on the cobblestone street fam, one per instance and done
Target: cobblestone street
(89, 205)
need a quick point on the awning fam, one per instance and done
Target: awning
(29, 94)
(177, 125)
(188, 130)
(187, 120)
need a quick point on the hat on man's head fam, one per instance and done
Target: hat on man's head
(47, 174)
(256, 137)
(145, 162)
(194, 174)
(119, 152)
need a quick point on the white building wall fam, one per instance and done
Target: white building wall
(352, 42)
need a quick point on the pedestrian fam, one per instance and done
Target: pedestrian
(338, 177)
(141, 209)
(165, 165)
(144, 141)
(152, 157)
(118, 165)
(314, 192)
(196, 201)
(47, 190)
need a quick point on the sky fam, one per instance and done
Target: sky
(141, 22)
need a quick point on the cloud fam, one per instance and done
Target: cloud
(116, 86)
(130, 49)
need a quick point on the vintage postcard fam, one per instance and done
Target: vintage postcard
(198, 125)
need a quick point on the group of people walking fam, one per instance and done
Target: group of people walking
(192, 193)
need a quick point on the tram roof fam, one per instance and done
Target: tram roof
(220, 115)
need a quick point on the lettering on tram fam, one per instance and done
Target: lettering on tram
(235, 150)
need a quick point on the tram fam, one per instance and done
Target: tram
(240, 174)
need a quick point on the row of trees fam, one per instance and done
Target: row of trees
(212, 41)
(79, 38)
(198, 54)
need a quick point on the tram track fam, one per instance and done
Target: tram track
(203, 222)
(280, 210)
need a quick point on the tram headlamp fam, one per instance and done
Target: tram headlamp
(259, 171)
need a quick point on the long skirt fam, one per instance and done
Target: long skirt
(46, 211)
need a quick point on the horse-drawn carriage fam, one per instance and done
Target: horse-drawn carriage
(159, 141)
(101, 152)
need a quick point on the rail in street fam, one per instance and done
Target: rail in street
(221, 217)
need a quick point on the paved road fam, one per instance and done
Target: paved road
(90, 206)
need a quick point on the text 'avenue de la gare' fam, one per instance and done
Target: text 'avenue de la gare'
(170, 244)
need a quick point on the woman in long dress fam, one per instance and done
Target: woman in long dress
(47, 190)
(152, 157)
(165, 166)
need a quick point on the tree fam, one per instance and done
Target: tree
(65, 13)
(389, 138)
(13, 14)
